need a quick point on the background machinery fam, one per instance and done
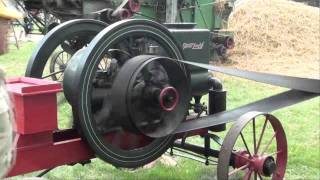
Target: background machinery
(207, 14)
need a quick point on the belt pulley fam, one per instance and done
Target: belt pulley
(151, 94)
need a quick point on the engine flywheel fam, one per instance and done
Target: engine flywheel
(127, 94)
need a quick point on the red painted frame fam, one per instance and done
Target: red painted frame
(39, 144)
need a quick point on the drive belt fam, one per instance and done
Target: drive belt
(302, 89)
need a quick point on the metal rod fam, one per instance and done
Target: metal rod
(54, 73)
(197, 149)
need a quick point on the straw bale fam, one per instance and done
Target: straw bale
(275, 30)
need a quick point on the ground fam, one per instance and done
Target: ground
(301, 123)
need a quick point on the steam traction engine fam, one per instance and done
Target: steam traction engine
(135, 88)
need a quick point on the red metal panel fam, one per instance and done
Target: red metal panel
(29, 86)
(38, 145)
(44, 156)
(35, 104)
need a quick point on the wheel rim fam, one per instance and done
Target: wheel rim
(52, 43)
(267, 156)
(135, 156)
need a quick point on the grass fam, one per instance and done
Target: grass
(301, 123)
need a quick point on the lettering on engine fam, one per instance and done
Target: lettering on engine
(193, 45)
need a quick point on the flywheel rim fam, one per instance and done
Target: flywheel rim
(41, 54)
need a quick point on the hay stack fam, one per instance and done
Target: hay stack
(275, 29)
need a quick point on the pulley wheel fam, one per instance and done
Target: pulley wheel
(88, 84)
(68, 37)
(151, 94)
(254, 148)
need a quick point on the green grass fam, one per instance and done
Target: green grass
(301, 123)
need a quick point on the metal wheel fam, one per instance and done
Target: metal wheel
(90, 89)
(266, 157)
(69, 37)
(58, 64)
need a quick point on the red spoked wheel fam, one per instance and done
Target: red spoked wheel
(266, 157)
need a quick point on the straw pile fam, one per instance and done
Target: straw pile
(275, 29)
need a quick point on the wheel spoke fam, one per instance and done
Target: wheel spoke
(238, 169)
(275, 153)
(254, 136)
(60, 60)
(63, 57)
(60, 78)
(245, 144)
(105, 59)
(248, 175)
(100, 66)
(260, 176)
(262, 133)
(270, 141)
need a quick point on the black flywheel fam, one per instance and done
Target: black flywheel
(64, 39)
(128, 93)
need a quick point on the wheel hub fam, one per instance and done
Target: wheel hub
(269, 166)
(168, 98)
(263, 164)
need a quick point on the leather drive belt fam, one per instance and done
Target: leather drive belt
(302, 89)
